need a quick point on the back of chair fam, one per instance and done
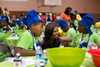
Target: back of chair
(4, 51)
(3, 48)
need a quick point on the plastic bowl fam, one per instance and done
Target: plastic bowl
(18, 31)
(95, 53)
(66, 57)
(7, 35)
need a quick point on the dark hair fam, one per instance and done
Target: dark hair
(67, 10)
(72, 15)
(49, 31)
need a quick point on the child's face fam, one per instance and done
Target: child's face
(65, 29)
(81, 28)
(69, 10)
(37, 29)
(22, 25)
(55, 33)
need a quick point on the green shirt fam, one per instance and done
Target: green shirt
(70, 33)
(17, 28)
(76, 23)
(92, 29)
(3, 55)
(4, 39)
(26, 41)
(93, 38)
(0, 29)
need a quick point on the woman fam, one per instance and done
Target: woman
(51, 38)
(66, 15)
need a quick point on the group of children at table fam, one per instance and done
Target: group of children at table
(28, 41)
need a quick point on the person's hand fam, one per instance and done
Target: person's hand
(92, 46)
(13, 46)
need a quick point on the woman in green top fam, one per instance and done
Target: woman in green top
(27, 42)
(85, 36)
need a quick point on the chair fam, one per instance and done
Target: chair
(5, 52)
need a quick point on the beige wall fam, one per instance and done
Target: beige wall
(83, 6)
(86, 6)
(19, 6)
(99, 6)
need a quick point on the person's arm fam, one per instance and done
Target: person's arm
(67, 39)
(25, 52)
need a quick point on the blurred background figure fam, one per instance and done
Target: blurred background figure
(44, 17)
(54, 17)
(66, 15)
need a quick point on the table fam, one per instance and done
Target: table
(13, 40)
(86, 63)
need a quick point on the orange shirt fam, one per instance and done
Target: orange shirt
(65, 17)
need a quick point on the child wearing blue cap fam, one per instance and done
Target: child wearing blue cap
(51, 38)
(63, 26)
(26, 45)
(85, 36)
(20, 25)
(68, 32)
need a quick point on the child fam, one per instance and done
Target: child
(51, 38)
(20, 25)
(63, 26)
(74, 22)
(85, 36)
(26, 45)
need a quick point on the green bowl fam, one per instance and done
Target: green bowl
(98, 29)
(18, 31)
(66, 57)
